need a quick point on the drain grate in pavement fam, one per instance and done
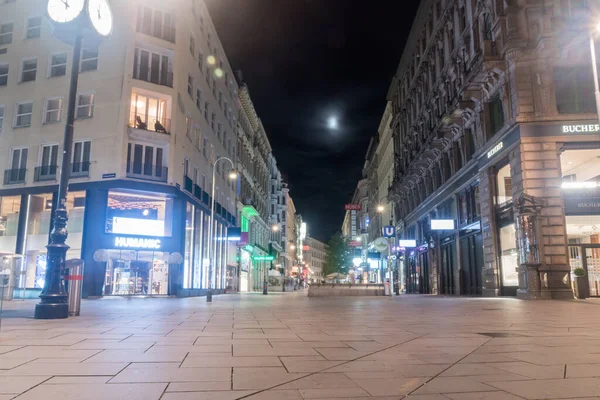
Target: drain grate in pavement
(500, 334)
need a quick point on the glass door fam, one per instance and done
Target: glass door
(592, 267)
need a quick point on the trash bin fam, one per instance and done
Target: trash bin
(6, 284)
(74, 278)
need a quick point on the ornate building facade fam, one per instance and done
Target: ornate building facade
(492, 112)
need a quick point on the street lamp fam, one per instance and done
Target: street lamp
(72, 20)
(380, 209)
(232, 175)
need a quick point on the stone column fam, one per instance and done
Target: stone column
(489, 278)
(536, 172)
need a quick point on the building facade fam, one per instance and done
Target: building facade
(157, 104)
(315, 253)
(494, 128)
(253, 206)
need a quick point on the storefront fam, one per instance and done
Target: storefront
(580, 166)
(135, 239)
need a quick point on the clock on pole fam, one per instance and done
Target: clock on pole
(73, 21)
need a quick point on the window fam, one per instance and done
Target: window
(149, 113)
(81, 158)
(214, 87)
(207, 76)
(206, 107)
(3, 74)
(198, 99)
(572, 89)
(146, 162)
(18, 166)
(53, 110)
(58, 65)
(152, 67)
(195, 176)
(48, 162)
(219, 131)
(201, 62)
(212, 121)
(503, 185)
(34, 27)
(156, 23)
(188, 126)
(496, 115)
(85, 105)
(23, 114)
(205, 147)
(139, 213)
(204, 182)
(1, 117)
(221, 99)
(192, 45)
(89, 60)
(190, 87)
(6, 31)
(28, 69)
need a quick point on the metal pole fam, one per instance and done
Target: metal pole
(53, 297)
(390, 277)
(209, 293)
(595, 69)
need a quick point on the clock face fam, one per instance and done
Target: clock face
(64, 10)
(101, 16)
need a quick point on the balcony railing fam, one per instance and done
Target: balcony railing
(188, 184)
(149, 123)
(13, 176)
(80, 170)
(45, 173)
(148, 172)
(148, 75)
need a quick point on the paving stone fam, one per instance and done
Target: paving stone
(389, 386)
(65, 368)
(137, 374)
(332, 393)
(275, 394)
(96, 392)
(551, 388)
(19, 384)
(231, 395)
(204, 361)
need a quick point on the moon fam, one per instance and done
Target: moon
(333, 123)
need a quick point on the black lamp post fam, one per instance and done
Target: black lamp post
(72, 20)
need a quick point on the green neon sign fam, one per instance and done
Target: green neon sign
(263, 258)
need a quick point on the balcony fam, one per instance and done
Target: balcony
(188, 184)
(45, 173)
(14, 176)
(80, 170)
(153, 76)
(150, 123)
(148, 172)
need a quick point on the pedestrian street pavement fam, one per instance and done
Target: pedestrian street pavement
(286, 346)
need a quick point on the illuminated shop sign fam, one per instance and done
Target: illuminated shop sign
(263, 258)
(495, 150)
(407, 243)
(137, 243)
(581, 128)
(442, 224)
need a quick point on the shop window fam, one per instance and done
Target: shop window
(509, 256)
(580, 165)
(476, 203)
(136, 273)
(496, 113)
(463, 208)
(572, 88)
(9, 223)
(189, 243)
(139, 213)
(503, 185)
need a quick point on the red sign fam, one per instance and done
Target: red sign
(353, 207)
(305, 248)
(355, 243)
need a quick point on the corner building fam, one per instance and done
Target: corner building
(157, 104)
(494, 122)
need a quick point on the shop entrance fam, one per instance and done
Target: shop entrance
(448, 268)
(588, 258)
(471, 253)
(131, 272)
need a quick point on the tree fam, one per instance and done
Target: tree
(338, 258)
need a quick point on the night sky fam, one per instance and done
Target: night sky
(311, 65)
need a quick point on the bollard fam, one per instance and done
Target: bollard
(75, 283)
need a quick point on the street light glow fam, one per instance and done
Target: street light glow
(233, 174)
(219, 73)
(275, 228)
(380, 208)
(211, 60)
